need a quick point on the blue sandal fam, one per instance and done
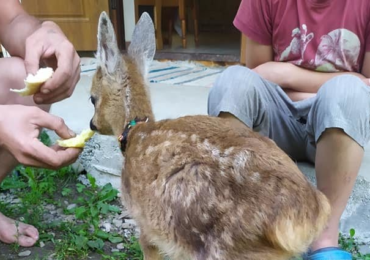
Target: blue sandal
(328, 253)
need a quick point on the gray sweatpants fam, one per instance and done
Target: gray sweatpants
(342, 102)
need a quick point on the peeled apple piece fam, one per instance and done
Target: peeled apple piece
(77, 141)
(33, 82)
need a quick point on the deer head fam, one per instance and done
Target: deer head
(118, 90)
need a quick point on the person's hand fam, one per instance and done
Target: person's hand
(49, 46)
(20, 127)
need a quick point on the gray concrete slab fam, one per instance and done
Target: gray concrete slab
(102, 158)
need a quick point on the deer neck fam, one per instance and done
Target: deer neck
(137, 98)
(138, 110)
(138, 104)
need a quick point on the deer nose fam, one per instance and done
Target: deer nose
(92, 126)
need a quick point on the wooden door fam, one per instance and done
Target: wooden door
(77, 18)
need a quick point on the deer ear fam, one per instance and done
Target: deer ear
(142, 47)
(108, 54)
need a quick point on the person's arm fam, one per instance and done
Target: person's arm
(40, 43)
(15, 27)
(297, 82)
(290, 76)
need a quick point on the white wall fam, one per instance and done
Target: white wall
(129, 15)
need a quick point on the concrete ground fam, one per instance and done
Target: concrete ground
(102, 158)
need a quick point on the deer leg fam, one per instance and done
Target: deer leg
(150, 251)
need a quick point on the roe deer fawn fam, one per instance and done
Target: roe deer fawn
(197, 187)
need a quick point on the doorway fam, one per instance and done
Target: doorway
(219, 40)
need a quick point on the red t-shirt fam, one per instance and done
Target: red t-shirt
(322, 35)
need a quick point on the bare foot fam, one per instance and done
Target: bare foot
(21, 233)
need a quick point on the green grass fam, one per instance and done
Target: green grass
(72, 240)
(350, 244)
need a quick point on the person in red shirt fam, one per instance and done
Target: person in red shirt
(306, 86)
(30, 43)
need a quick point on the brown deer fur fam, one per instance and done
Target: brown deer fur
(197, 187)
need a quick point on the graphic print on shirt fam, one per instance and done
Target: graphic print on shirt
(339, 50)
(298, 45)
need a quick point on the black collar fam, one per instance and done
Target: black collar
(123, 137)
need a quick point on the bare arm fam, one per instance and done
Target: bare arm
(297, 82)
(290, 76)
(257, 54)
(15, 27)
(366, 66)
(38, 43)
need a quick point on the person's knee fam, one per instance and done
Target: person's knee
(233, 84)
(12, 75)
(236, 78)
(13, 71)
(346, 92)
(343, 103)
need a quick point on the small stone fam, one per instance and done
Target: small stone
(91, 229)
(71, 206)
(120, 246)
(107, 226)
(16, 201)
(25, 253)
(124, 214)
(126, 226)
(131, 221)
(84, 180)
(48, 217)
(114, 250)
(117, 222)
(50, 207)
(59, 211)
(70, 218)
(42, 244)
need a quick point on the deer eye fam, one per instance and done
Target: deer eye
(92, 100)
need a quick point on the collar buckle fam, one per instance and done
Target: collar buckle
(123, 137)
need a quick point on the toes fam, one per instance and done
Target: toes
(28, 235)
(23, 234)
(26, 241)
(29, 231)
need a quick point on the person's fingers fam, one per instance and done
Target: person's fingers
(27, 160)
(75, 152)
(34, 51)
(49, 121)
(53, 159)
(65, 56)
(59, 94)
(39, 155)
